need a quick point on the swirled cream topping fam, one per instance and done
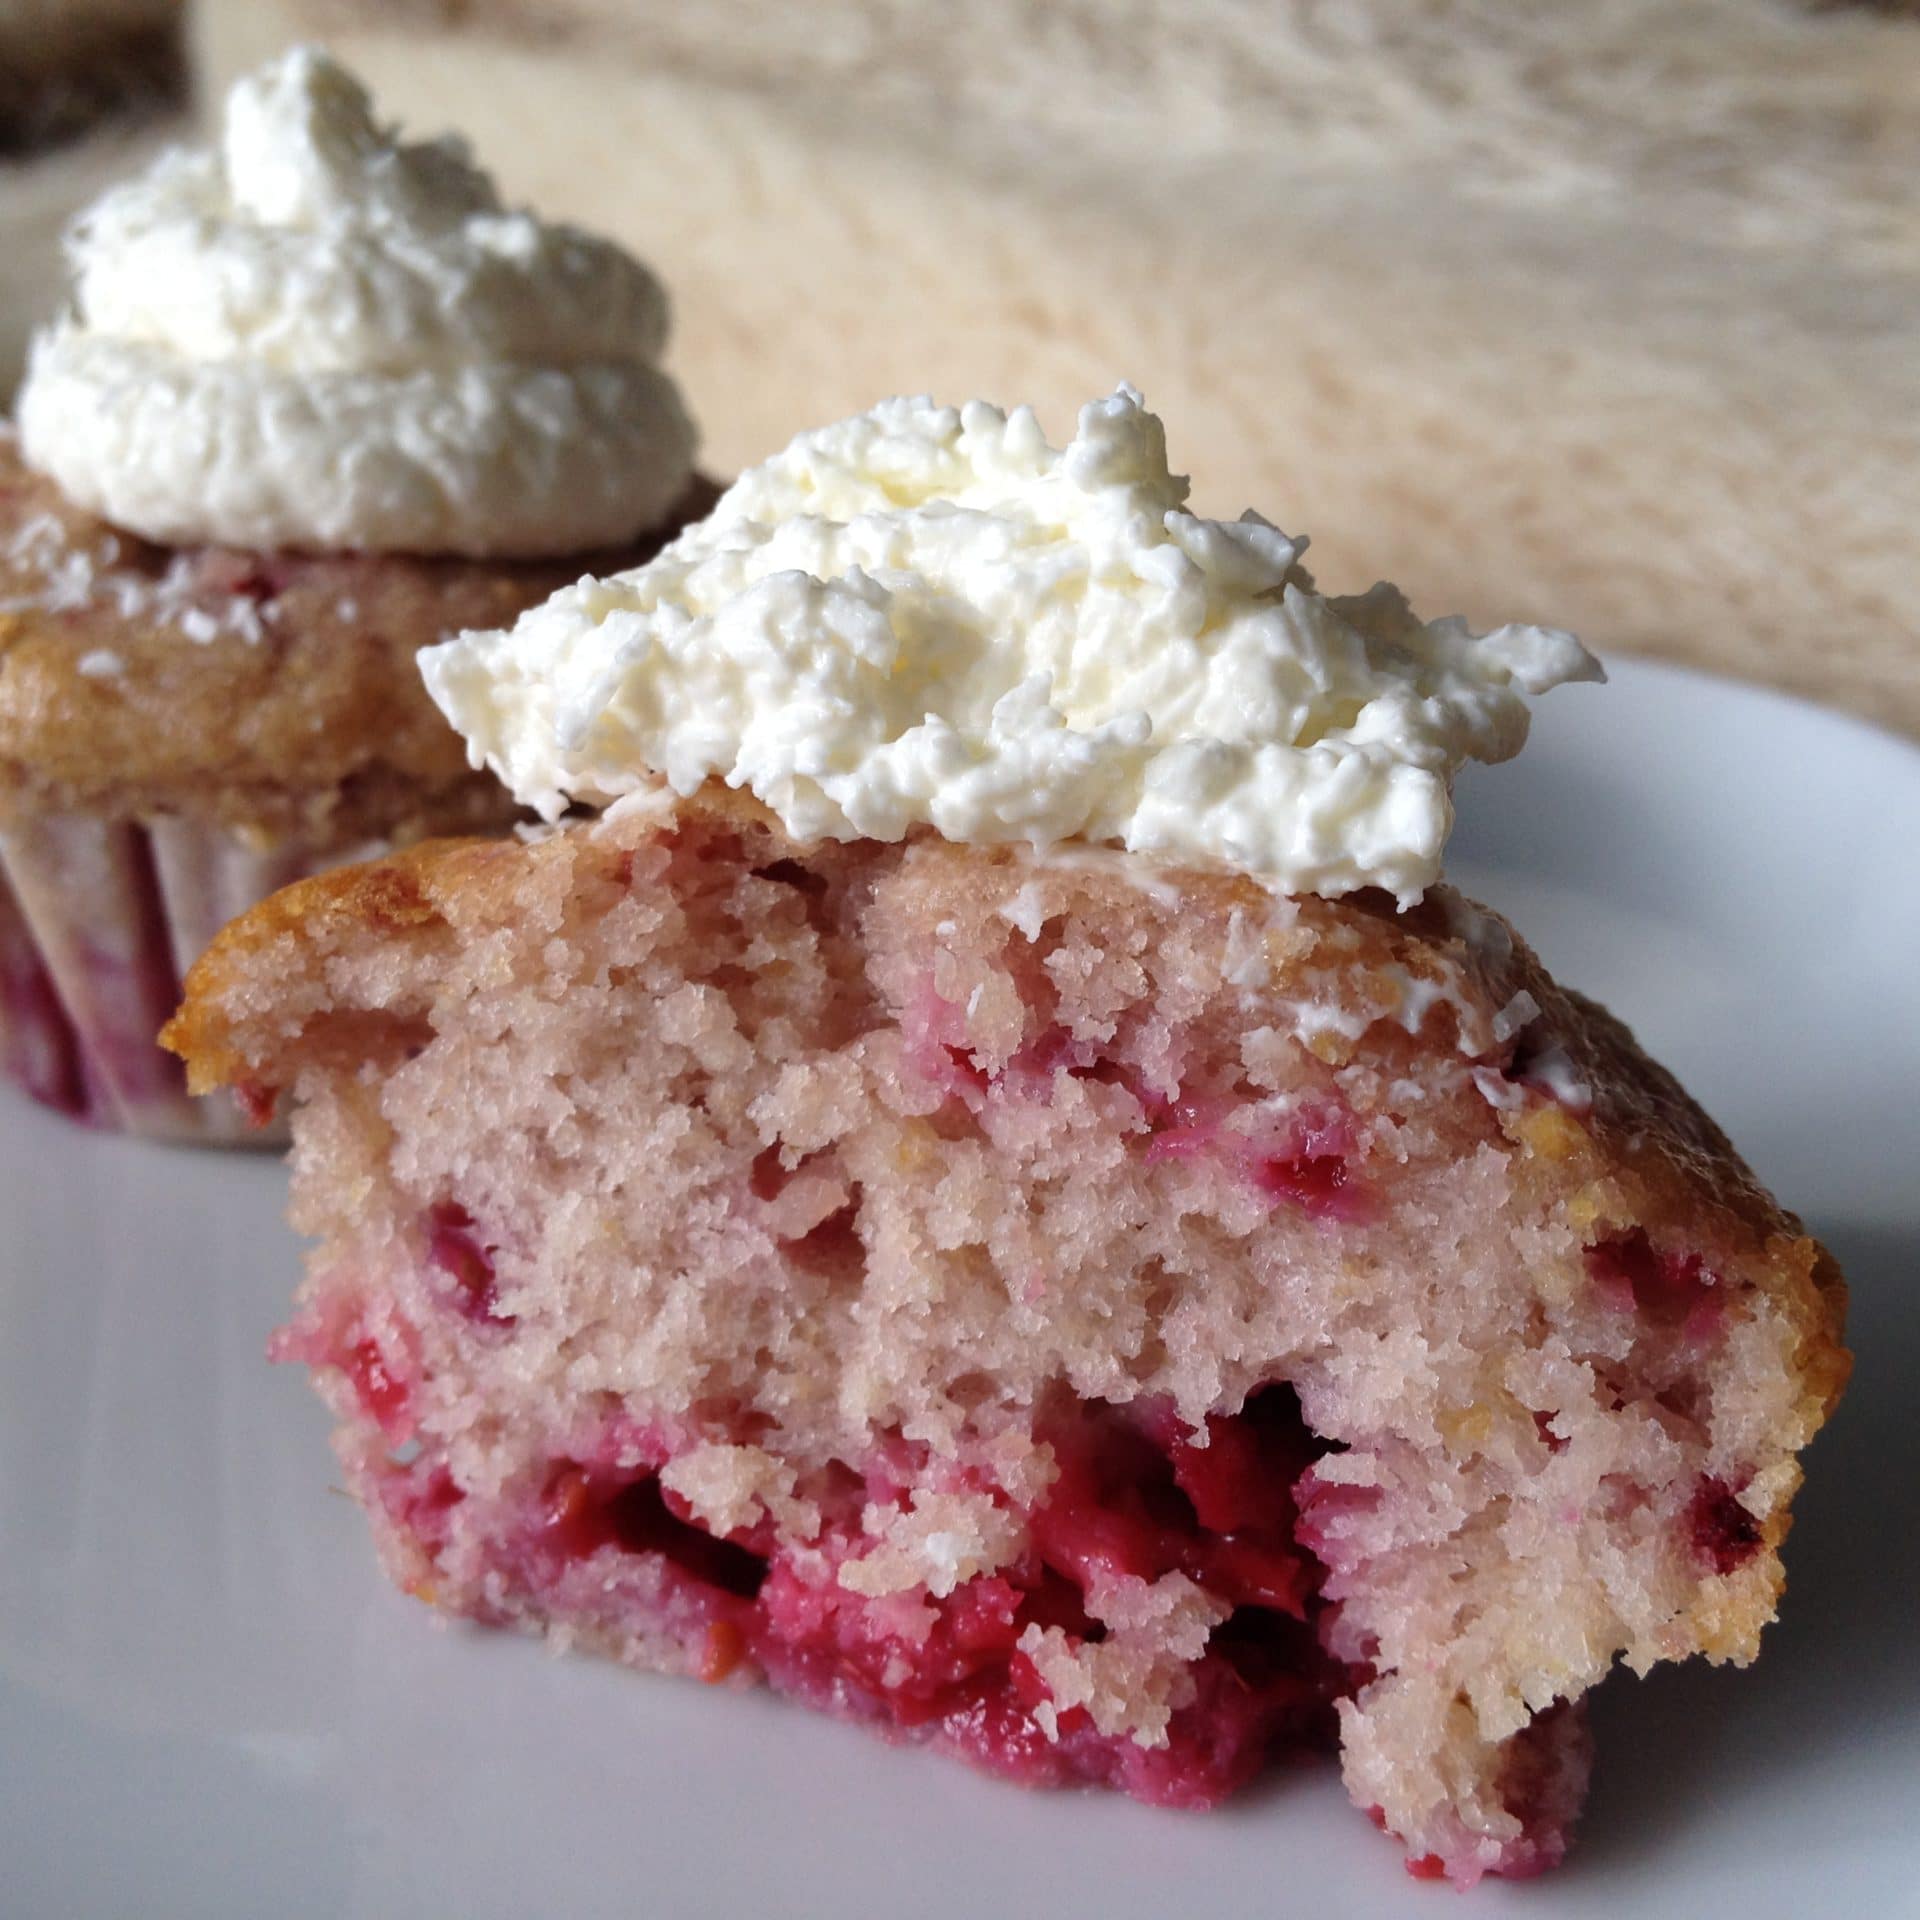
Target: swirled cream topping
(316, 336)
(926, 616)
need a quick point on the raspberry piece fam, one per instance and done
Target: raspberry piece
(1724, 1535)
(453, 1247)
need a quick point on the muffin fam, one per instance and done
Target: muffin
(319, 401)
(993, 1190)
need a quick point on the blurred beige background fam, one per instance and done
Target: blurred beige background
(1604, 314)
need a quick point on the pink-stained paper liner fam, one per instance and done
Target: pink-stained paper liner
(99, 921)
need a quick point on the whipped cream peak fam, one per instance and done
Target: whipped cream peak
(928, 617)
(314, 334)
(300, 146)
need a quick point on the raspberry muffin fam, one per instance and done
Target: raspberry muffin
(993, 1191)
(320, 401)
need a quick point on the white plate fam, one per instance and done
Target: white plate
(211, 1703)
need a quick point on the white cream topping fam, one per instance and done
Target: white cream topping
(316, 336)
(927, 616)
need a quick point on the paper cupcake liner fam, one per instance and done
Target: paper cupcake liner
(99, 921)
(37, 1047)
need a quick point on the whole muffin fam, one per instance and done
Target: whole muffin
(320, 401)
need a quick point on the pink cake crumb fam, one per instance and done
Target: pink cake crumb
(1119, 1335)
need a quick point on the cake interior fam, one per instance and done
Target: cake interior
(590, 1545)
(1119, 1332)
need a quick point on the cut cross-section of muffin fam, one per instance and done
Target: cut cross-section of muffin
(1115, 1324)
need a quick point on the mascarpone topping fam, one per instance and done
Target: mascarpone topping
(926, 616)
(316, 336)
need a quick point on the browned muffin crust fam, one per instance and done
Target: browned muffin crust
(270, 693)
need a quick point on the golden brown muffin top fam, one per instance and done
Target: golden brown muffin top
(272, 692)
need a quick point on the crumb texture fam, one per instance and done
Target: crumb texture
(1112, 1324)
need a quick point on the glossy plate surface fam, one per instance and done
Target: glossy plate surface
(212, 1704)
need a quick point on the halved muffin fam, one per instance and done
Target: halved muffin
(993, 1189)
(1106, 1319)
